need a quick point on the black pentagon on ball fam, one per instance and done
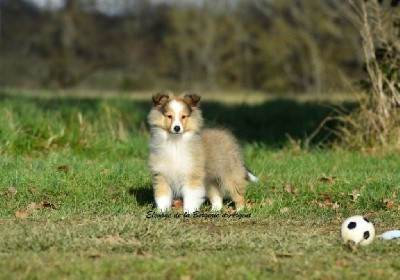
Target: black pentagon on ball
(351, 225)
(366, 234)
(365, 219)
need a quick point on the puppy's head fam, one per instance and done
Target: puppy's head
(176, 114)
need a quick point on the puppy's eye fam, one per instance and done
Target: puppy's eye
(169, 116)
(183, 117)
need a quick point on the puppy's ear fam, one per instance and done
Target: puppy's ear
(160, 99)
(193, 100)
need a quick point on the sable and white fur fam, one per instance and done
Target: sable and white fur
(190, 162)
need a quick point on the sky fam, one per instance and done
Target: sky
(47, 4)
(109, 7)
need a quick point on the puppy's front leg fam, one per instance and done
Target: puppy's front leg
(193, 194)
(162, 193)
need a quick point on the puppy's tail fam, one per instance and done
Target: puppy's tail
(250, 176)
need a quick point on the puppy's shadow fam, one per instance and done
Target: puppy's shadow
(143, 195)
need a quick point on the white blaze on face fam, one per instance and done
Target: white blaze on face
(177, 108)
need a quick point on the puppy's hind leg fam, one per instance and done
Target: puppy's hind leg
(162, 193)
(214, 195)
(237, 191)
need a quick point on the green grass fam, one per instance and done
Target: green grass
(75, 193)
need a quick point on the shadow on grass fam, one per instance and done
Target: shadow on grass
(271, 123)
(143, 196)
(274, 122)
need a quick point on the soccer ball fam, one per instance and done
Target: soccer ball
(357, 229)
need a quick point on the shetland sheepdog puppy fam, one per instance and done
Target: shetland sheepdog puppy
(190, 162)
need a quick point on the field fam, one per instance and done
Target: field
(76, 196)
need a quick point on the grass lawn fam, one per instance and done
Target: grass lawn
(76, 197)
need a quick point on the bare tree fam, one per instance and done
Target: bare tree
(377, 121)
(305, 30)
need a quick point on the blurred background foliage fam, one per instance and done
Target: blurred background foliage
(220, 47)
(265, 45)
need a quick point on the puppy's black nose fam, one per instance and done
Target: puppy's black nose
(177, 128)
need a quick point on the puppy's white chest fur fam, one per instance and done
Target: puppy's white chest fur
(171, 155)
